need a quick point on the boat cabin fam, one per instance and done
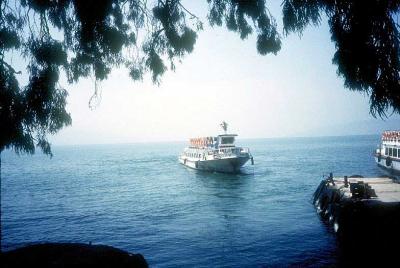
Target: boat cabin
(390, 144)
(225, 140)
(221, 141)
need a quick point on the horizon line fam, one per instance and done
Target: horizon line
(176, 141)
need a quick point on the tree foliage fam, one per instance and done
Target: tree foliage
(90, 37)
(366, 37)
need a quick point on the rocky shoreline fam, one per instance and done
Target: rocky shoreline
(70, 255)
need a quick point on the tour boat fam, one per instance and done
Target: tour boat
(387, 155)
(216, 154)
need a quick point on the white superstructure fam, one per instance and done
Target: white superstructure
(387, 155)
(215, 154)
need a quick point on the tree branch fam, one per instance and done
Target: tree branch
(10, 67)
(187, 11)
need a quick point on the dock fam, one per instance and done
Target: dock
(364, 213)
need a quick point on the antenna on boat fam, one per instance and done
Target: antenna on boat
(224, 126)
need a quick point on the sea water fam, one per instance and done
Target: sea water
(137, 197)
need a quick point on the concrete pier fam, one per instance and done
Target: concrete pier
(364, 214)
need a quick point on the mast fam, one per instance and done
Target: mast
(224, 126)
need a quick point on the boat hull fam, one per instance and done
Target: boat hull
(392, 165)
(225, 165)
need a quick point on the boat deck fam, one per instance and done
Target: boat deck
(386, 189)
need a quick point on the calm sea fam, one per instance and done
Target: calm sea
(138, 198)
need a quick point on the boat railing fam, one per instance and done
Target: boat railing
(238, 151)
(392, 142)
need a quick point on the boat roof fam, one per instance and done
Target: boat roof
(227, 135)
(391, 132)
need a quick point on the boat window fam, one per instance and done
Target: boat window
(395, 152)
(227, 140)
(390, 151)
(386, 151)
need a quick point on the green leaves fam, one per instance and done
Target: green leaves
(8, 39)
(268, 42)
(156, 65)
(298, 14)
(244, 17)
(48, 52)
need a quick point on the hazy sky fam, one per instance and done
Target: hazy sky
(295, 93)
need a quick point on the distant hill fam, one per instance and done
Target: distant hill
(365, 127)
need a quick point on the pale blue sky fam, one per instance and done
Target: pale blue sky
(295, 93)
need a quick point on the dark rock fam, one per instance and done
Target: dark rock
(70, 255)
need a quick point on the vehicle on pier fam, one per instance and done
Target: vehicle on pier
(216, 154)
(387, 155)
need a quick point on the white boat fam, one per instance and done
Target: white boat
(387, 155)
(215, 154)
